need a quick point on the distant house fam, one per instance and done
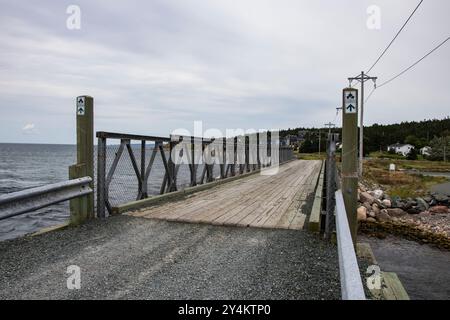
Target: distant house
(399, 148)
(425, 151)
(293, 140)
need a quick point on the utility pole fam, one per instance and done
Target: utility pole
(361, 78)
(329, 125)
(319, 142)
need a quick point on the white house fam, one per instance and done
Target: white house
(402, 149)
(425, 151)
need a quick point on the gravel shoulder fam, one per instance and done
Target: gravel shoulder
(133, 258)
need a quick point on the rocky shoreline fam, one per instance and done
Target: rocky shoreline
(423, 219)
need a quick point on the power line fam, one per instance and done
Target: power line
(407, 69)
(392, 41)
(370, 94)
(415, 63)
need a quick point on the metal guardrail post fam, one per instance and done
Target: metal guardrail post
(101, 177)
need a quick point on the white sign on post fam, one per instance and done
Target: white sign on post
(81, 106)
(350, 102)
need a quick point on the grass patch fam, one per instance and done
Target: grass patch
(401, 183)
(311, 156)
(385, 155)
(401, 164)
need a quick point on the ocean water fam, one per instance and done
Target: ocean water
(25, 166)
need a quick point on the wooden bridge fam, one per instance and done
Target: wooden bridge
(282, 200)
(244, 181)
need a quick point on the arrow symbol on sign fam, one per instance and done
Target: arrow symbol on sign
(350, 107)
(350, 96)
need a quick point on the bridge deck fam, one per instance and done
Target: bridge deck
(268, 201)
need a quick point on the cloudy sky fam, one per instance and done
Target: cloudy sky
(158, 65)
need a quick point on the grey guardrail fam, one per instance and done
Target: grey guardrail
(16, 203)
(351, 283)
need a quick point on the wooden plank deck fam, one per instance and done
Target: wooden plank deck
(272, 201)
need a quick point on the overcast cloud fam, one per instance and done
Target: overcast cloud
(158, 65)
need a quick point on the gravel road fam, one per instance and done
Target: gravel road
(132, 258)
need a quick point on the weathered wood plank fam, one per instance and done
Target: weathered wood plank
(268, 201)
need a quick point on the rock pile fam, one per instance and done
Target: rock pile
(427, 218)
(376, 205)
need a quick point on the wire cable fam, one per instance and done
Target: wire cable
(407, 69)
(414, 64)
(392, 41)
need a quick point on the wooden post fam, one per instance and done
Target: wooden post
(350, 156)
(78, 206)
(85, 145)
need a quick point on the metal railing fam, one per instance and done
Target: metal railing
(151, 168)
(351, 283)
(337, 219)
(20, 202)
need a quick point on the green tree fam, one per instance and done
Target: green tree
(413, 140)
(412, 154)
(440, 148)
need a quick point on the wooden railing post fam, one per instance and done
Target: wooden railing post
(349, 156)
(83, 208)
(78, 206)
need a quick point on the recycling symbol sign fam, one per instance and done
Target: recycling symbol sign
(350, 105)
(81, 107)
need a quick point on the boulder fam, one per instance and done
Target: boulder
(361, 187)
(439, 209)
(422, 205)
(371, 214)
(375, 208)
(383, 216)
(366, 197)
(378, 194)
(397, 202)
(387, 203)
(408, 205)
(370, 219)
(441, 199)
(414, 210)
(361, 213)
(396, 212)
(367, 206)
